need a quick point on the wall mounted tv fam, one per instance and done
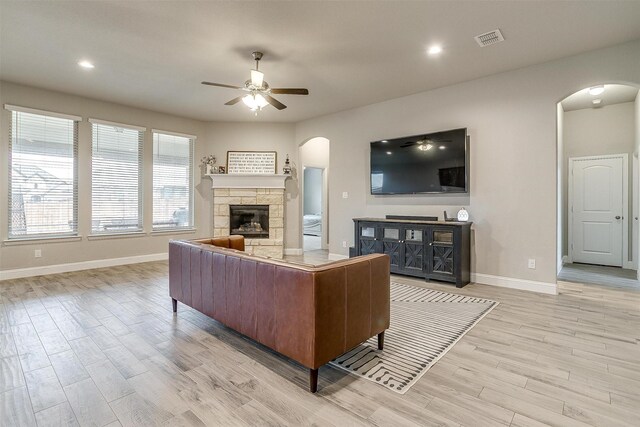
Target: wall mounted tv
(430, 163)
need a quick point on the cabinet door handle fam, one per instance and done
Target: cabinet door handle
(617, 216)
(430, 244)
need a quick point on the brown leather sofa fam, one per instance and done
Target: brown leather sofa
(311, 314)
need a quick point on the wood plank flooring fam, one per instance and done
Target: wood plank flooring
(102, 347)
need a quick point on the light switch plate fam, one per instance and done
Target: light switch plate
(345, 195)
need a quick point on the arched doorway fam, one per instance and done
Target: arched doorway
(314, 189)
(598, 185)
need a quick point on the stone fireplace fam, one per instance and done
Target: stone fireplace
(251, 205)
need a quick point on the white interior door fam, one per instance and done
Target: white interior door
(596, 210)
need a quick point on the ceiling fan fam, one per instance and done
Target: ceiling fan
(258, 90)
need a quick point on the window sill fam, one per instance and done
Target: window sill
(117, 235)
(174, 231)
(41, 240)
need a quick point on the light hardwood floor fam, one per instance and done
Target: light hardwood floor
(102, 347)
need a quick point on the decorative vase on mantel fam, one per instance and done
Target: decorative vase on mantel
(287, 167)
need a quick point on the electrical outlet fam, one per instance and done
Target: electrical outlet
(345, 195)
(37, 253)
(532, 263)
(344, 243)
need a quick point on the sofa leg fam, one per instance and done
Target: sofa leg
(175, 305)
(381, 340)
(313, 380)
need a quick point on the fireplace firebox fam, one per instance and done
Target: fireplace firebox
(249, 220)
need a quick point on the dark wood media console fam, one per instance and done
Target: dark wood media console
(434, 250)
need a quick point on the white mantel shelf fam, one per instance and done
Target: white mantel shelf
(248, 180)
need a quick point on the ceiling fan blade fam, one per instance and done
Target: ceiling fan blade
(234, 100)
(271, 100)
(221, 85)
(290, 91)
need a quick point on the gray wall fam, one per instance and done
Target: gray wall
(511, 120)
(22, 255)
(592, 132)
(312, 191)
(212, 138)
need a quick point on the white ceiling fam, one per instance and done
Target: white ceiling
(613, 94)
(154, 54)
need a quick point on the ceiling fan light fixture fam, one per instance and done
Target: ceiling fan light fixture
(255, 101)
(261, 101)
(257, 78)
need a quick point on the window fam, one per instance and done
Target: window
(43, 174)
(172, 180)
(116, 178)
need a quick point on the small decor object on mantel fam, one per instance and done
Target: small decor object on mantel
(222, 169)
(208, 162)
(287, 166)
(463, 215)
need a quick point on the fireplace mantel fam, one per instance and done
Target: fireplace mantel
(248, 180)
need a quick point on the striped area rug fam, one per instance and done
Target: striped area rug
(425, 324)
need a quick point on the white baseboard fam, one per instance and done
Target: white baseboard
(77, 266)
(337, 257)
(565, 259)
(513, 283)
(629, 265)
(293, 251)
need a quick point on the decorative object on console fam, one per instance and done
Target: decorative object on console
(258, 90)
(208, 162)
(463, 215)
(413, 349)
(251, 162)
(287, 166)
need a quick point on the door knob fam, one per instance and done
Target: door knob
(617, 216)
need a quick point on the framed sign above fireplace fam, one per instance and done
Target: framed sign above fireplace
(251, 162)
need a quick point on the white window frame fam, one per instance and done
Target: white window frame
(52, 235)
(141, 138)
(191, 185)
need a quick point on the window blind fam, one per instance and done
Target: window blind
(116, 178)
(43, 176)
(172, 181)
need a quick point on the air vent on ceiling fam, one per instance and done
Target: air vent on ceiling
(492, 37)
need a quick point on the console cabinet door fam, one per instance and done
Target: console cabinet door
(413, 255)
(368, 238)
(441, 262)
(392, 245)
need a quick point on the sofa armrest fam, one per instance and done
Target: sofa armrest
(352, 304)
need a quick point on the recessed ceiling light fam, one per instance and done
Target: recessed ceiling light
(389, 152)
(384, 140)
(596, 90)
(597, 101)
(434, 50)
(442, 147)
(86, 64)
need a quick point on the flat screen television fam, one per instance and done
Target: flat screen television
(429, 163)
